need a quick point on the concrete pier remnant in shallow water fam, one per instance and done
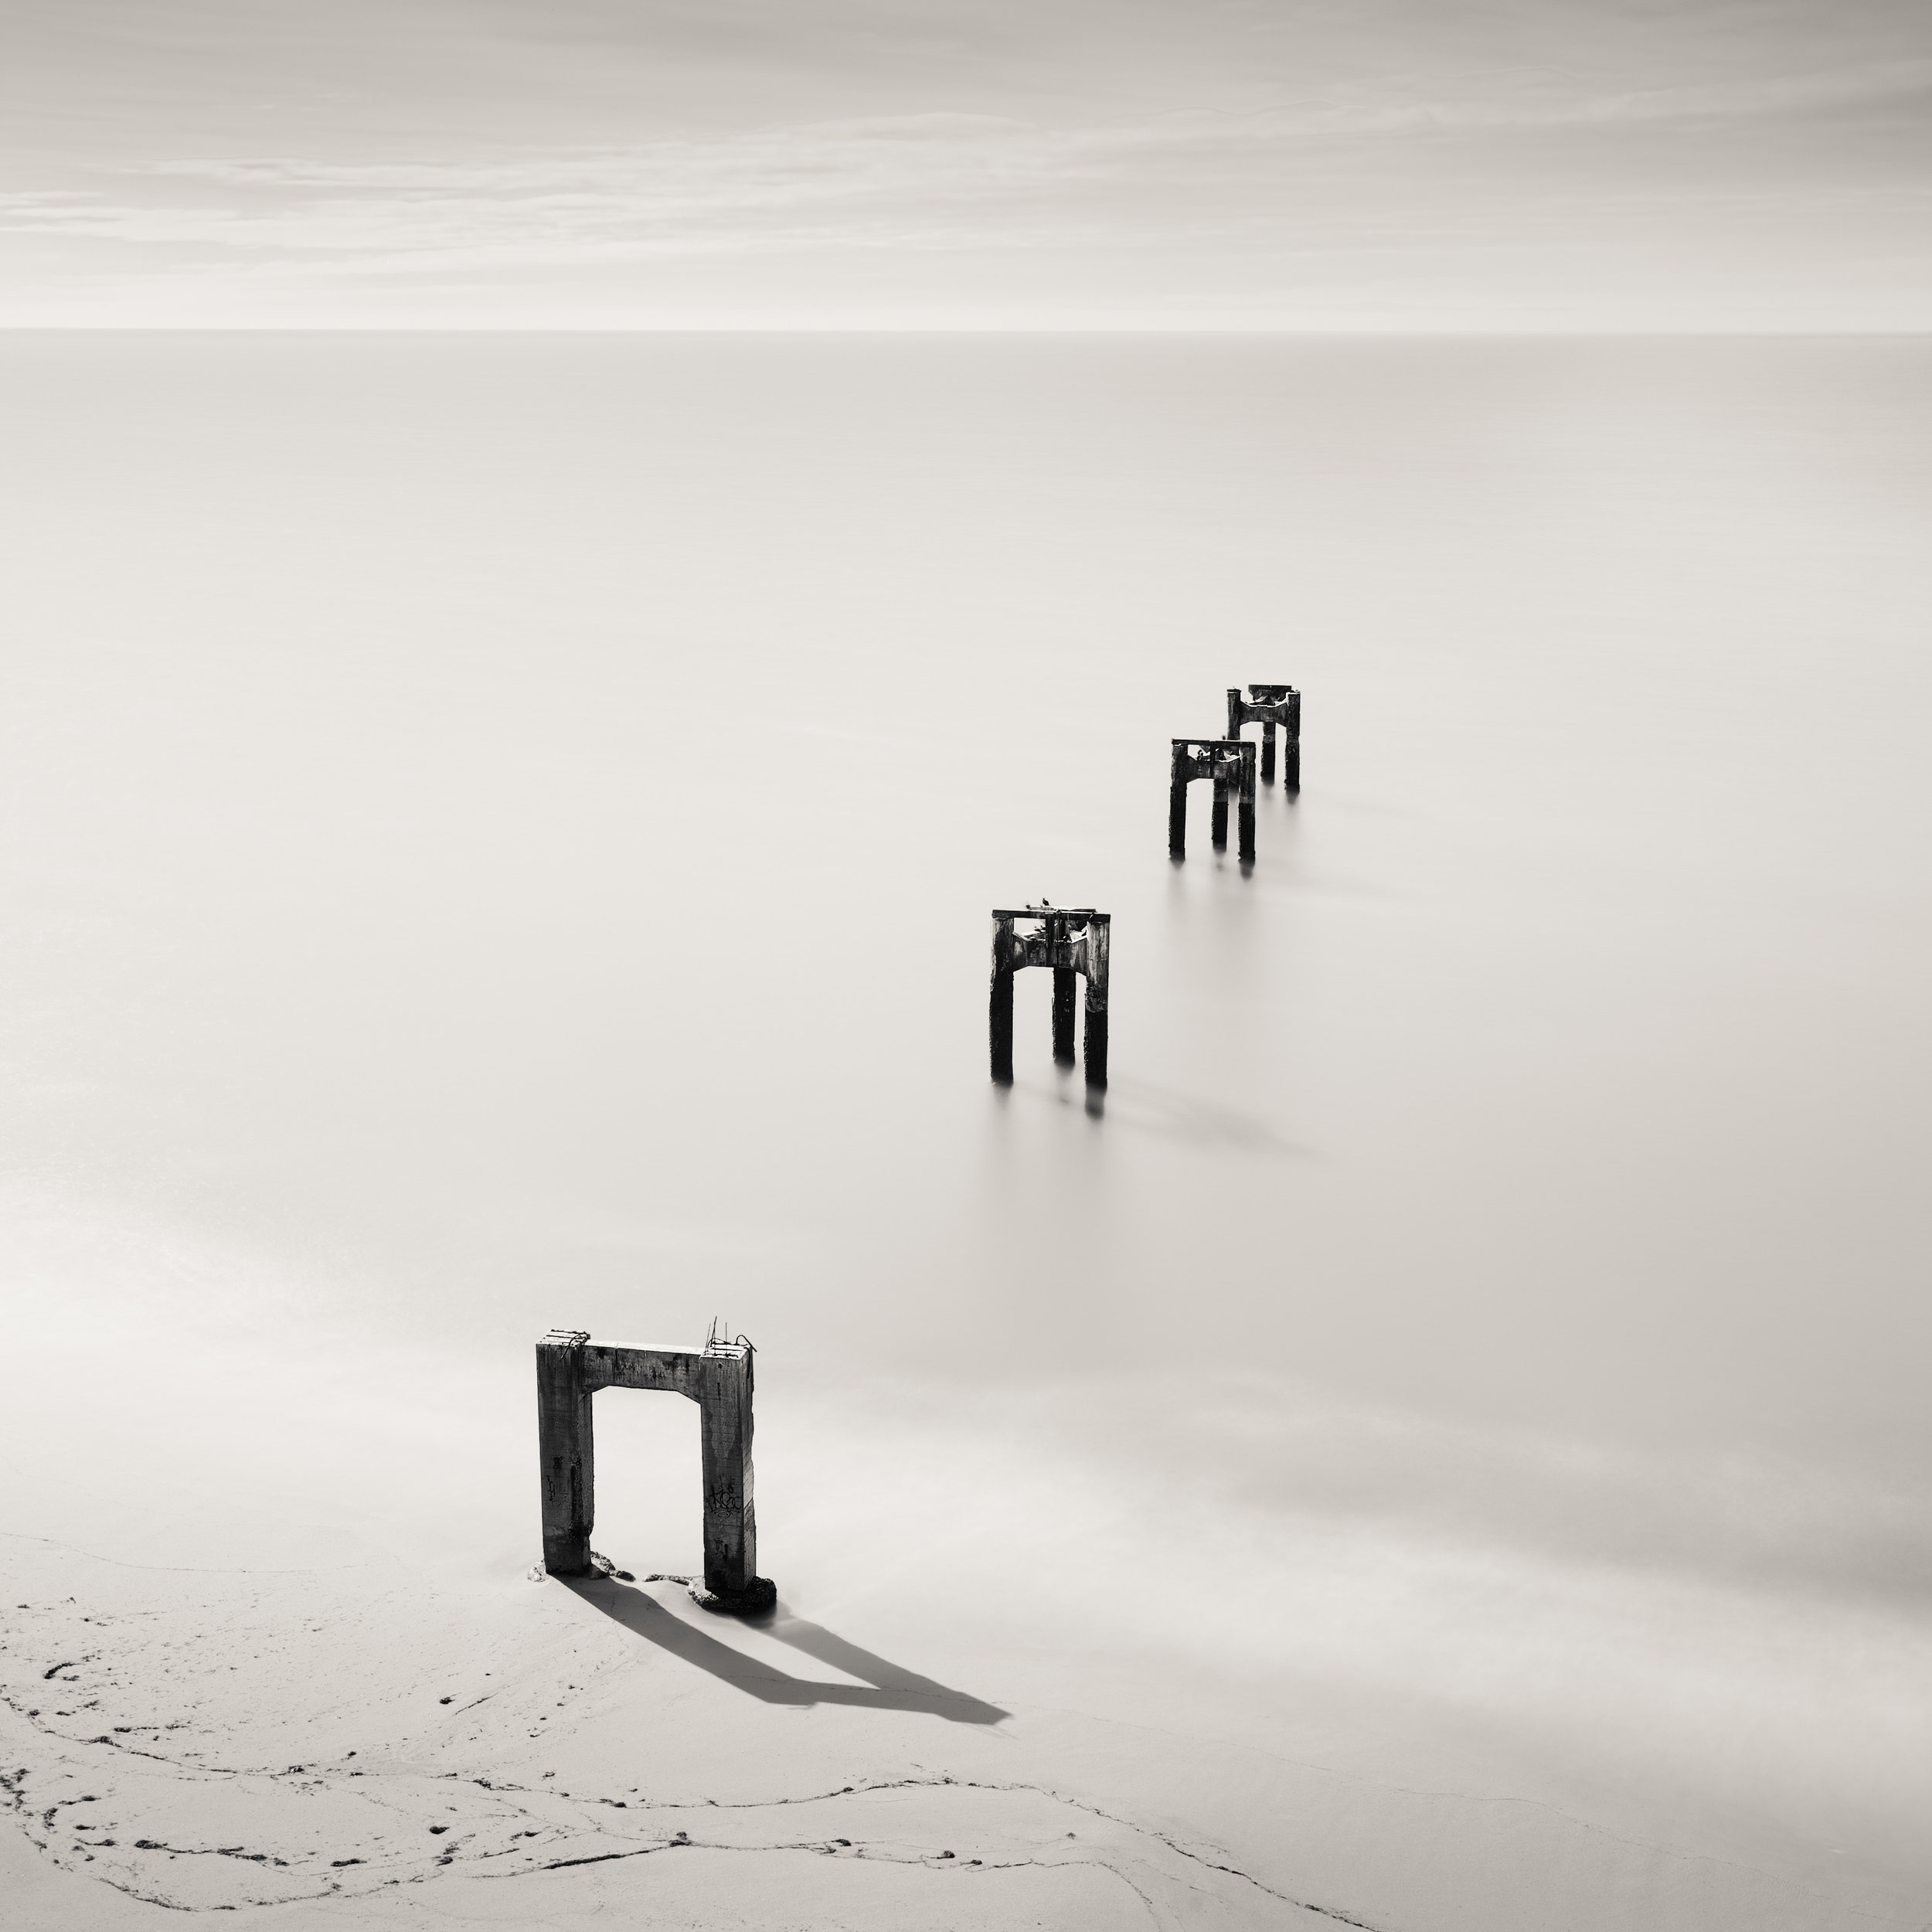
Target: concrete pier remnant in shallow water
(1071, 940)
(570, 1369)
(1269, 705)
(1230, 761)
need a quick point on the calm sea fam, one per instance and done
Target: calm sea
(499, 833)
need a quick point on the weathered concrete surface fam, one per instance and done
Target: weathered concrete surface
(1269, 705)
(1229, 763)
(570, 1369)
(1071, 941)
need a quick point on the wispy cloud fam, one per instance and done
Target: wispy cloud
(1329, 170)
(1552, 97)
(929, 182)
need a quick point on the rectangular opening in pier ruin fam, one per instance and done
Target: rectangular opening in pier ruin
(649, 1471)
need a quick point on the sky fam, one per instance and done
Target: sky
(1263, 164)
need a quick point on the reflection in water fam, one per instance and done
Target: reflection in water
(1151, 1108)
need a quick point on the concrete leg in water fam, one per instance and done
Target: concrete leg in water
(999, 1023)
(1180, 771)
(1100, 934)
(1219, 761)
(1246, 776)
(1270, 705)
(1063, 978)
(1073, 941)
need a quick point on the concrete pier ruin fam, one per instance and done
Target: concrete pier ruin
(1229, 763)
(1073, 940)
(570, 1369)
(1269, 705)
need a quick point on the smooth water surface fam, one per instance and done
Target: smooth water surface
(499, 833)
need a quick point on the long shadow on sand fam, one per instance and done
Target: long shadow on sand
(886, 1688)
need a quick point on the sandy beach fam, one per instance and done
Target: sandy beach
(975, 1735)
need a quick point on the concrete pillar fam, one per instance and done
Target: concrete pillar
(565, 1452)
(1219, 832)
(1072, 941)
(731, 1578)
(570, 1369)
(1000, 1007)
(1063, 979)
(1247, 800)
(1099, 938)
(1242, 710)
(1179, 771)
(1291, 749)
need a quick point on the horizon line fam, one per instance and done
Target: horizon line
(1376, 332)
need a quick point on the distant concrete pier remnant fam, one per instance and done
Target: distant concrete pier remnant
(1230, 761)
(1072, 940)
(570, 1369)
(1269, 705)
